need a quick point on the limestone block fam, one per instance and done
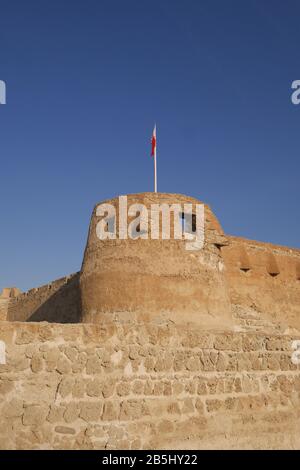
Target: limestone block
(71, 412)
(94, 388)
(230, 342)
(56, 413)
(123, 389)
(111, 411)
(64, 430)
(36, 363)
(91, 411)
(94, 365)
(66, 386)
(35, 414)
(131, 409)
(13, 408)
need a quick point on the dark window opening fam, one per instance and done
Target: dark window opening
(110, 225)
(188, 222)
(194, 223)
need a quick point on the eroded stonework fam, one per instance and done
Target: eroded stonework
(146, 386)
(153, 346)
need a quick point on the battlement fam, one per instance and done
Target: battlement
(9, 293)
(264, 277)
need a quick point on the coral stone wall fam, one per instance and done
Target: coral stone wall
(177, 349)
(58, 301)
(121, 386)
(6, 297)
(3, 308)
(147, 279)
(265, 278)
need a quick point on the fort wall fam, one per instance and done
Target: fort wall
(58, 301)
(153, 279)
(153, 346)
(263, 280)
(6, 296)
(3, 308)
(122, 386)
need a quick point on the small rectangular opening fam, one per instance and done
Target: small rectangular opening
(110, 225)
(188, 222)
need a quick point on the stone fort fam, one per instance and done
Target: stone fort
(153, 346)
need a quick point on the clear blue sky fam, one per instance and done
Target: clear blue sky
(87, 79)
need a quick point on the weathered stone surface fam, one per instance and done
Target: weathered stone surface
(131, 409)
(13, 408)
(94, 388)
(228, 342)
(63, 366)
(35, 414)
(71, 412)
(64, 430)
(244, 388)
(5, 386)
(36, 363)
(91, 411)
(66, 386)
(56, 413)
(94, 365)
(111, 411)
(123, 389)
(169, 281)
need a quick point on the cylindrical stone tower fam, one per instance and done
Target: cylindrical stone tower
(154, 279)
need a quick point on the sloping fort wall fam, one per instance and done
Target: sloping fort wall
(58, 301)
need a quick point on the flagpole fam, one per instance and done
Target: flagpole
(153, 154)
(155, 172)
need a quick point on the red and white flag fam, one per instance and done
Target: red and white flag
(153, 143)
(153, 154)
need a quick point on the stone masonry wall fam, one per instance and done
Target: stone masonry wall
(123, 386)
(265, 279)
(3, 308)
(155, 279)
(58, 301)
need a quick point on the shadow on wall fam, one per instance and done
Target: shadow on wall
(64, 306)
(61, 304)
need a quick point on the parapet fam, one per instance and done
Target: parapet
(10, 293)
(263, 279)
